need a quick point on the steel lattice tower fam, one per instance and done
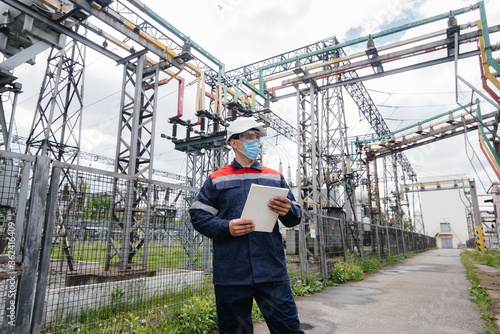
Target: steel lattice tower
(129, 221)
(56, 129)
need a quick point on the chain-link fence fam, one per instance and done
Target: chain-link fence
(105, 258)
(81, 247)
(338, 238)
(106, 261)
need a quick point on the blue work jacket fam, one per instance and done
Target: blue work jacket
(256, 257)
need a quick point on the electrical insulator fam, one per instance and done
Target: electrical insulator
(174, 130)
(186, 48)
(188, 132)
(233, 114)
(370, 44)
(267, 105)
(216, 126)
(202, 124)
(452, 21)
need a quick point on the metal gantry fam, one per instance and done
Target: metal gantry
(128, 232)
(315, 75)
(57, 124)
(56, 128)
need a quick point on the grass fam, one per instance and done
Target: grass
(193, 311)
(197, 316)
(489, 258)
(343, 271)
(158, 256)
(120, 316)
(479, 294)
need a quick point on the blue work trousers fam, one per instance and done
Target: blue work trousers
(275, 300)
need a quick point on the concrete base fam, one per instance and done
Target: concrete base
(63, 303)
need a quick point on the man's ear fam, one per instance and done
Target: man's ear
(232, 143)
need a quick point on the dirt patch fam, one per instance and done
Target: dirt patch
(490, 280)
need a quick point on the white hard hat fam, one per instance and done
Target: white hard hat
(243, 124)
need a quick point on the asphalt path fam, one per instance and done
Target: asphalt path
(427, 293)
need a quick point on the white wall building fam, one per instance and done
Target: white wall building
(444, 204)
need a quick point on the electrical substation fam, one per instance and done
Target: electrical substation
(77, 238)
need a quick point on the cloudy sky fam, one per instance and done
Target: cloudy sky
(240, 32)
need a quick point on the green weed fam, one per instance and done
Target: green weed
(479, 294)
(198, 316)
(346, 271)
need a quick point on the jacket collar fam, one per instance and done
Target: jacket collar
(256, 165)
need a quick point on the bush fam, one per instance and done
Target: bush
(198, 316)
(301, 288)
(370, 264)
(346, 271)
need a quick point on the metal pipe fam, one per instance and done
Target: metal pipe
(485, 64)
(416, 124)
(495, 161)
(157, 18)
(365, 38)
(486, 37)
(60, 28)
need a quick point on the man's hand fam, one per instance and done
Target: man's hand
(238, 227)
(280, 205)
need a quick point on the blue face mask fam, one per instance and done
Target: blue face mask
(252, 149)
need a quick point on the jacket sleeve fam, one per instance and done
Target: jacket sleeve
(294, 215)
(204, 212)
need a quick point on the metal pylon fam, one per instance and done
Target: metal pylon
(374, 207)
(418, 224)
(199, 166)
(56, 129)
(338, 174)
(128, 231)
(336, 157)
(310, 168)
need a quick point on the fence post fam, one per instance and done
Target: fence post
(343, 233)
(32, 239)
(377, 238)
(205, 255)
(303, 249)
(322, 246)
(388, 240)
(48, 229)
(403, 235)
(21, 208)
(397, 240)
(361, 241)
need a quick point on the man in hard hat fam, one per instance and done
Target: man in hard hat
(247, 264)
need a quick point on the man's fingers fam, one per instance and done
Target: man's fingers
(239, 227)
(280, 205)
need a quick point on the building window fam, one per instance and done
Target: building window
(445, 227)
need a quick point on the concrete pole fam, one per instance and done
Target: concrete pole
(480, 244)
